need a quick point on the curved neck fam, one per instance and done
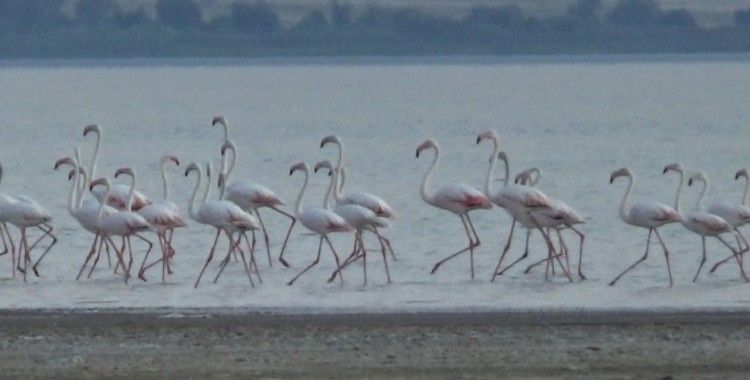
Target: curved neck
(327, 197)
(207, 193)
(83, 185)
(744, 195)
(164, 180)
(191, 208)
(427, 176)
(74, 190)
(95, 156)
(490, 170)
(623, 205)
(339, 178)
(227, 166)
(699, 203)
(131, 194)
(298, 205)
(678, 195)
(340, 161)
(226, 131)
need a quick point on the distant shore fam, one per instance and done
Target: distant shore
(240, 343)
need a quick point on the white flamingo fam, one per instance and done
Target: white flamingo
(734, 214)
(124, 224)
(562, 217)
(458, 198)
(318, 220)
(701, 222)
(645, 214)
(84, 209)
(23, 212)
(359, 217)
(379, 206)
(163, 216)
(522, 203)
(119, 193)
(225, 216)
(251, 197)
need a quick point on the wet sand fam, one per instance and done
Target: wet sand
(240, 343)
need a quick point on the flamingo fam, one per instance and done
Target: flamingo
(163, 216)
(251, 197)
(123, 223)
(564, 216)
(460, 199)
(736, 215)
(522, 203)
(119, 192)
(223, 215)
(359, 217)
(702, 223)
(23, 212)
(379, 206)
(645, 214)
(318, 220)
(84, 209)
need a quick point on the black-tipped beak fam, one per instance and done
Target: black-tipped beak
(316, 169)
(291, 171)
(330, 174)
(665, 171)
(611, 179)
(690, 182)
(322, 144)
(417, 154)
(479, 139)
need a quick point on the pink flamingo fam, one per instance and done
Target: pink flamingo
(459, 199)
(318, 220)
(736, 215)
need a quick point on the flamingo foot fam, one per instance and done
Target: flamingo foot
(141, 275)
(283, 262)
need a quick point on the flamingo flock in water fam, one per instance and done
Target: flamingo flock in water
(115, 213)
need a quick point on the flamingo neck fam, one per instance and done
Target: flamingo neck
(298, 205)
(327, 197)
(491, 169)
(131, 194)
(207, 193)
(74, 190)
(227, 167)
(95, 156)
(623, 204)
(678, 195)
(340, 178)
(83, 183)
(704, 190)
(226, 131)
(745, 194)
(340, 160)
(191, 208)
(164, 181)
(427, 176)
(103, 203)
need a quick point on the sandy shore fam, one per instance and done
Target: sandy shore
(238, 343)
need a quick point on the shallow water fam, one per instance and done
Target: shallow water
(576, 121)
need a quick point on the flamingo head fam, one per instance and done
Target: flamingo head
(429, 143)
(73, 173)
(741, 173)
(64, 161)
(324, 164)
(192, 167)
(491, 135)
(298, 166)
(525, 177)
(333, 139)
(699, 176)
(221, 180)
(219, 119)
(125, 171)
(99, 182)
(675, 167)
(622, 172)
(168, 158)
(91, 128)
(228, 145)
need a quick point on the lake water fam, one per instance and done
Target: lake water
(576, 120)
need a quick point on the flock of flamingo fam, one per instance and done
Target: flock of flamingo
(110, 211)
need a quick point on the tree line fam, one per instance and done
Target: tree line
(101, 28)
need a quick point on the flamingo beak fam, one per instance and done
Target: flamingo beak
(71, 174)
(90, 128)
(690, 182)
(479, 139)
(218, 120)
(62, 161)
(611, 179)
(175, 160)
(220, 182)
(96, 182)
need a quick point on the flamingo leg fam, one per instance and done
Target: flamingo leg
(545, 260)
(580, 250)
(364, 258)
(387, 243)
(288, 233)
(505, 250)
(314, 263)
(564, 249)
(25, 252)
(265, 238)
(703, 258)
(383, 240)
(119, 253)
(666, 256)
(90, 254)
(335, 256)
(130, 259)
(740, 239)
(642, 259)
(225, 261)
(98, 254)
(470, 248)
(244, 261)
(253, 263)
(353, 257)
(4, 226)
(524, 256)
(208, 260)
(737, 256)
(47, 232)
(6, 250)
(550, 246)
(142, 268)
